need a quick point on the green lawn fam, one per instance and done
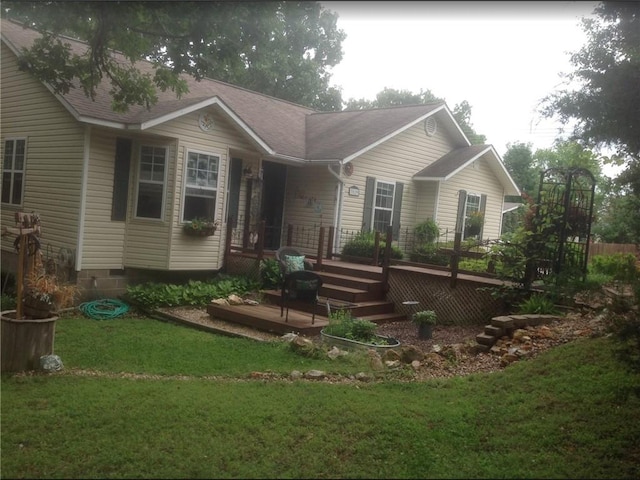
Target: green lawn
(200, 415)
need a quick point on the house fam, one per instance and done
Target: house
(114, 190)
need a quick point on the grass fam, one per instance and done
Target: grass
(561, 415)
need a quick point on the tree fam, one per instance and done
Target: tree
(390, 97)
(283, 49)
(606, 103)
(519, 162)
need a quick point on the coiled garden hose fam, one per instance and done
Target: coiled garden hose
(105, 309)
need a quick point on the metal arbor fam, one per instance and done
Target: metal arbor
(562, 224)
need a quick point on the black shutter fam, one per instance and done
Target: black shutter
(121, 168)
(367, 211)
(483, 208)
(397, 208)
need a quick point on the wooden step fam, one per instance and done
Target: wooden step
(352, 270)
(373, 286)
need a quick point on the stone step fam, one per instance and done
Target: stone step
(484, 339)
(494, 331)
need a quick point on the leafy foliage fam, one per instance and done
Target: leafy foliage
(538, 303)
(363, 245)
(605, 105)
(428, 253)
(283, 49)
(619, 266)
(343, 324)
(194, 293)
(270, 274)
(427, 231)
(424, 317)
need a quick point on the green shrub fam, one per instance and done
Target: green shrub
(620, 266)
(8, 302)
(538, 303)
(363, 245)
(270, 274)
(429, 253)
(427, 231)
(342, 324)
(195, 293)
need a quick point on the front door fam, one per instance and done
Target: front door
(274, 177)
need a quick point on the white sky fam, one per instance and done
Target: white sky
(502, 57)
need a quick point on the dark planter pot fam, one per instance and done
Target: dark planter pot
(205, 232)
(24, 341)
(425, 331)
(35, 308)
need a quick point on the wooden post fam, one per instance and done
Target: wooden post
(227, 240)
(20, 276)
(261, 231)
(376, 248)
(455, 259)
(386, 259)
(320, 243)
(330, 240)
(289, 234)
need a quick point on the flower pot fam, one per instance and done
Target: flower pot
(348, 344)
(24, 341)
(35, 308)
(203, 232)
(425, 331)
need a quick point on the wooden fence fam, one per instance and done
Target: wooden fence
(611, 248)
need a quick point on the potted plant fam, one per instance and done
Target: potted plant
(425, 319)
(200, 227)
(44, 295)
(473, 224)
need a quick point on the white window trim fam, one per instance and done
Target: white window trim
(187, 151)
(164, 181)
(23, 171)
(466, 205)
(375, 195)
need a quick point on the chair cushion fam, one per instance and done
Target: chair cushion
(294, 263)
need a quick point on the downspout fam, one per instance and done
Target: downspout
(83, 197)
(337, 218)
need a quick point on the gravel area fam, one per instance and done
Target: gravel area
(450, 352)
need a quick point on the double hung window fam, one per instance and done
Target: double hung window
(13, 169)
(201, 186)
(383, 206)
(152, 179)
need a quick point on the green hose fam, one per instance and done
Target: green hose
(105, 309)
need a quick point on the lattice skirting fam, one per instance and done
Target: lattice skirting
(466, 304)
(237, 265)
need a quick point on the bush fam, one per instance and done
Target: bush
(429, 253)
(620, 266)
(342, 324)
(363, 245)
(8, 302)
(195, 293)
(427, 231)
(538, 303)
(270, 274)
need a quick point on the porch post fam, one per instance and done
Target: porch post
(455, 258)
(386, 259)
(376, 247)
(332, 234)
(319, 255)
(261, 231)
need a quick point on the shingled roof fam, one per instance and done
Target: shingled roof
(277, 128)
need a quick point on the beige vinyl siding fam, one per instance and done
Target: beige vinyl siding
(104, 239)
(54, 154)
(396, 160)
(310, 200)
(477, 178)
(198, 253)
(426, 200)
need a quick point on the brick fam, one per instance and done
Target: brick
(484, 339)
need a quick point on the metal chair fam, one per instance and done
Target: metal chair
(302, 286)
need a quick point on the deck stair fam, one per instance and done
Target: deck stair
(345, 286)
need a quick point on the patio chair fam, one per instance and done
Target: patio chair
(284, 252)
(301, 286)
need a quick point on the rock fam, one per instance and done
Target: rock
(220, 301)
(289, 337)
(51, 363)
(409, 353)
(315, 375)
(391, 355)
(335, 352)
(363, 377)
(416, 364)
(374, 360)
(296, 375)
(235, 300)
(302, 345)
(393, 364)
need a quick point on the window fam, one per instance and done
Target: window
(472, 216)
(151, 182)
(383, 207)
(201, 186)
(13, 171)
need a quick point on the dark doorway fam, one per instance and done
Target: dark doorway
(235, 179)
(274, 178)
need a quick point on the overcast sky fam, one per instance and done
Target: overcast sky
(502, 57)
